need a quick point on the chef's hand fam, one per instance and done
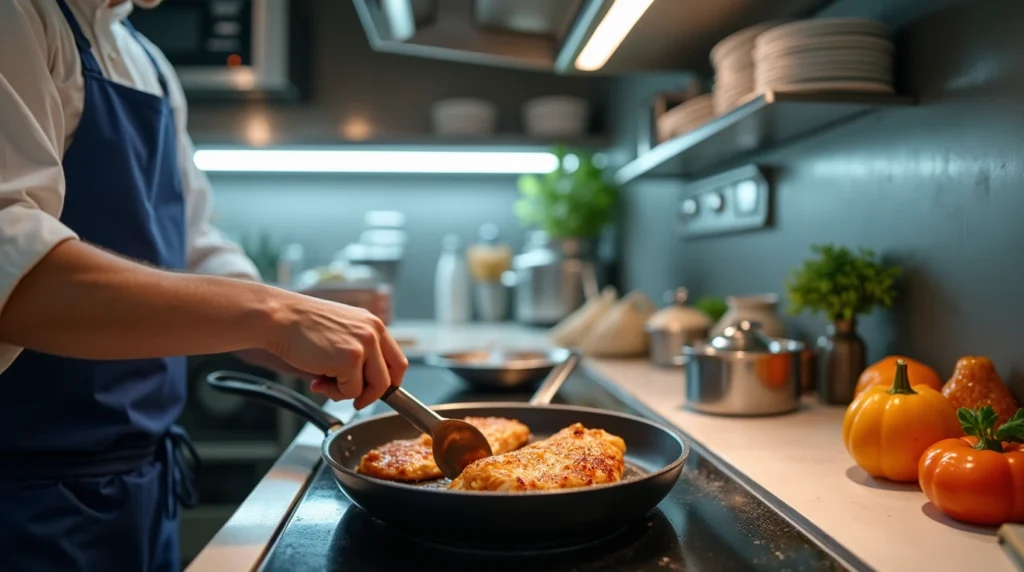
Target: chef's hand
(347, 349)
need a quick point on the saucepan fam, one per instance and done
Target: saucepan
(743, 372)
(499, 368)
(490, 520)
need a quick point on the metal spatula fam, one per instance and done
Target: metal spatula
(456, 443)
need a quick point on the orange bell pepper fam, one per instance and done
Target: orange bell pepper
(886, 430)
(979, 478)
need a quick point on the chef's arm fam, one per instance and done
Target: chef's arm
(81, 301)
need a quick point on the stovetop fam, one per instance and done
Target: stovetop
(708, 522)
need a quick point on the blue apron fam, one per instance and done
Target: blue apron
(91, 471)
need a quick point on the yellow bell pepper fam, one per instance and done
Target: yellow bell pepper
(886, 430)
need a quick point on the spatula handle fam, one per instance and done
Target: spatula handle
(412, 409)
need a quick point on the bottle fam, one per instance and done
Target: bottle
(488, 260)
(451, 284)
(290, 265)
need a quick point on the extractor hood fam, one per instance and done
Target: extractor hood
(550, 34)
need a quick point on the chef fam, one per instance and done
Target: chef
(110, 271)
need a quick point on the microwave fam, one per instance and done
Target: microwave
(225, 46)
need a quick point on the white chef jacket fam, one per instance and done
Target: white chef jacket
(41, 101)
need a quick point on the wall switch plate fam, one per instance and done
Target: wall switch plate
(732, 201)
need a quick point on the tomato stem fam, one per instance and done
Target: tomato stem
(981, 423)
(901, 383)
(989, 444)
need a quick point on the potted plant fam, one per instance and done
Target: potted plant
(842, 284)
(573, 203)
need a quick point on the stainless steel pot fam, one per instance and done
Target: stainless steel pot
(550, 282)
(743, 372)
(670, 328)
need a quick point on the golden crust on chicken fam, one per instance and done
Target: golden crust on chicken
(412, 460)
(574, 457)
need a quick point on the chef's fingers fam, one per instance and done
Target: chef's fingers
(351, 382)
(376, 376)
(393, 356)
(328, 387)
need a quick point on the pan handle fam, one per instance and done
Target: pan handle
(556, 377)
(256, 387)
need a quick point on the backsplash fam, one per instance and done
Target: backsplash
(937, 188)
(325, 212)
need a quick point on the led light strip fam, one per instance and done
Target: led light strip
(614, 28)
(375, 161)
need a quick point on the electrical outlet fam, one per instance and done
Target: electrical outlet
(733, 201)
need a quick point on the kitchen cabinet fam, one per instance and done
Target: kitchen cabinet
(549, 35)
(358, 95)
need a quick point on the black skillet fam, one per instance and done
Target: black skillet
(530, 520)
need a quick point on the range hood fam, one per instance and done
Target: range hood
(550, 34)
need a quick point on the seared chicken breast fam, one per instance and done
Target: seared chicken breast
(573, 457)
(411, 460)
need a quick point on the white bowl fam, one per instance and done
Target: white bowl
(817, 27)
(556, 116)
(738, 44)
(464, 116)
(686, 117)
(834, 86)
(851, 42)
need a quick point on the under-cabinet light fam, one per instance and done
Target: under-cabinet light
(375, 161)
(617, 23)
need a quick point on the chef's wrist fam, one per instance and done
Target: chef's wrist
(276, 317)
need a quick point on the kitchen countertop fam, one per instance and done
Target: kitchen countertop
(795, 462)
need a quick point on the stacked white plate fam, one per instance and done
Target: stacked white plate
(828, 54)
(685, 117)
(734, 67)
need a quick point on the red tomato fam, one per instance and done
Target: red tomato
(979, 487)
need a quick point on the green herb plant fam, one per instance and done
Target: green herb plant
(841, 283)
(712, 306)
(573, 201)
(263, 251)
(981, 423)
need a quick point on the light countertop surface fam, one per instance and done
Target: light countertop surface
(797, 460)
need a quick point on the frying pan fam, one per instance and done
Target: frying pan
(499, 368)
(535, 520)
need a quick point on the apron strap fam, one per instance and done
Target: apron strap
(180, 480)
(159, 75)
(89, 62)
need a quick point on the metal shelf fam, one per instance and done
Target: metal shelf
(769, 120)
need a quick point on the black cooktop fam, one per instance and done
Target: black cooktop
(708, 522)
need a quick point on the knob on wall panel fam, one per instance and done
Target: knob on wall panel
(737, 200)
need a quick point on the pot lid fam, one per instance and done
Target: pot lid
(745, 336)
(678, 317)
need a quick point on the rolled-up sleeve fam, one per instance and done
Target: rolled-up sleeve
(209, 250)
(31, 145)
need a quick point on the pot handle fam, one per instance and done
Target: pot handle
(556, 377)
(261, 389)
